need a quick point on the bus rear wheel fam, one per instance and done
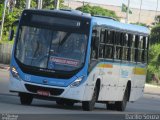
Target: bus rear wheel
(25, 98)
(121, 105)
(89, 105)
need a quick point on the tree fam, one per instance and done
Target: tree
(96, 10)
(154, 62)
(17, 10)
(20, 4)
(1, 11)
(155, 35)
(125, 8)
(154, 52)
(157, 20)
(49, 4)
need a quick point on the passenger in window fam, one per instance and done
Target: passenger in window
(118, 53)
(109, 52)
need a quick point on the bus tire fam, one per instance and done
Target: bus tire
(89, 105)
(25, 98)
(121, 105)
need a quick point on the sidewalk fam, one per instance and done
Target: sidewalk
(152, 89)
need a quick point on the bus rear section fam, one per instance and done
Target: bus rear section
(119, 54)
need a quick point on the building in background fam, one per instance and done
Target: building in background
(147, 16)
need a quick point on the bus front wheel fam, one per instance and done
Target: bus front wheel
(89, 105)
(25, 98)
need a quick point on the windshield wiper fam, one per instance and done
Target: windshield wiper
(65, 38)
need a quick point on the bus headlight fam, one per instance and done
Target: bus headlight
(77, 82)
(15, 73)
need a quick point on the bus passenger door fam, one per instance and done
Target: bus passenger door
(93, 70)
(95, 51)
(14, 27)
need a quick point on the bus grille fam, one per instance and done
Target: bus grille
(53, 91)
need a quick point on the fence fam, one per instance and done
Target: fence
(5, 53)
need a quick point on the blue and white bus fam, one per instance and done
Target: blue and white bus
(71, 57)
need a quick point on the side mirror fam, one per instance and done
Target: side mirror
(14, 25)
(11, 35)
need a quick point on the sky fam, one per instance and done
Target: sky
(146, 4)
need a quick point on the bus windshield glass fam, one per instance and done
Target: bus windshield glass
(51, 49)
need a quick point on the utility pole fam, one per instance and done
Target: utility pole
(56, 4)
(40, 4)
(127, 14)
(156, 9)
(83, 3)
(28, 4)
(140, 12)
(68, 3)
(4, 11)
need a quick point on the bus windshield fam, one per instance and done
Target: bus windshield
(51, 49)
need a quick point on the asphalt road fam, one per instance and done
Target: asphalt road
(9, 103)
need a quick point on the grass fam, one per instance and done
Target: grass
(5, 40)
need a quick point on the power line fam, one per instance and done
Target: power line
(156, 8)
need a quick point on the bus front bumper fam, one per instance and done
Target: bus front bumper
(73, 93)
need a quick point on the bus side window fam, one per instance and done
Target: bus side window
(129, 45)
(118, 47)
(133, 48)
(144, 50)
(102, 43)
(136, 48)
(140, 49)
(110, 39)
(125, 47)
(94, 46)
(130, 40)
(109, 48)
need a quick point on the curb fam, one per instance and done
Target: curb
(6, 67)
(149, 85)
(152, 93)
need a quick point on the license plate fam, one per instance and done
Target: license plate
(43, 93)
